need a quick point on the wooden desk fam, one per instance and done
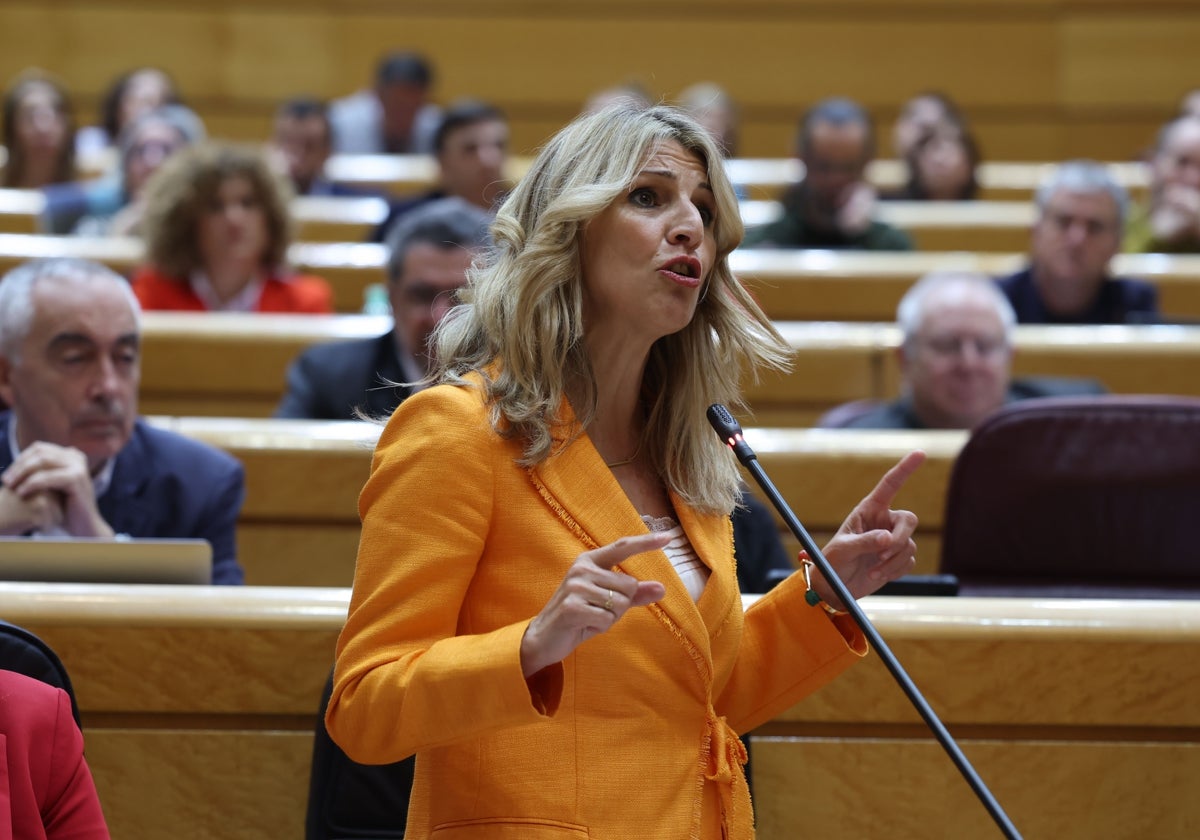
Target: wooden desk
(350, 267)
(20, 210)
(232, 364)
(861, 358)
(337, 218)
(864, 286)
(1079, 715)
(198, 703)
(789, 284)
(763, 178)
(938, 225)
(221, 364)
(299, 525)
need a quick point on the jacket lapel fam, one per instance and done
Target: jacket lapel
(577, 485)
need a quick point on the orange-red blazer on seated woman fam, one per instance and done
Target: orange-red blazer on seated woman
(633, 735)
(296, 293)
(46, 789)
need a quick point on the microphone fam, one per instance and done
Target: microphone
(730, 432)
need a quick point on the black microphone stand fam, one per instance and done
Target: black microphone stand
(730, 432)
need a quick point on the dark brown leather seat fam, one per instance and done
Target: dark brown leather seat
(1078, 496)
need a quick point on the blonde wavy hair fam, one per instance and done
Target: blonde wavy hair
(521, 324)
(183, 189)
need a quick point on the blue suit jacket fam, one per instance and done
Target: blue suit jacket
(330, 381)
(168, 486)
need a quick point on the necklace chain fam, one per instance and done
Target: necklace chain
(627, 461)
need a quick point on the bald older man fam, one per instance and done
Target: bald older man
(75, 460)
(955, 359)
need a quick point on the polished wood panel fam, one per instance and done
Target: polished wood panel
(1117, 65)
(864, 286)
(1157, 359)
(198, 703)
(1031, 692)
(233, 364)
(762, 178)
(938, 225)
(350, 267)
(1080, 715)
(299, 525)
(20, 209)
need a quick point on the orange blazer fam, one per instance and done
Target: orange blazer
(46, 788)
(635, 733)
(295, 293)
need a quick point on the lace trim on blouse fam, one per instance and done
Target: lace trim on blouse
(688, 566)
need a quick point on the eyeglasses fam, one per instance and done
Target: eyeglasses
(953, 346)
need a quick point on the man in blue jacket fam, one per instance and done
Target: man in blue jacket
(1081, 219)
(75, 460)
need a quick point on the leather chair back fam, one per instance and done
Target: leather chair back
(1079, 496)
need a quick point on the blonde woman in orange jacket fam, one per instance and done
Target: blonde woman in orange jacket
(545, 606)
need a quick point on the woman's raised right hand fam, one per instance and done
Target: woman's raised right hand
(590, 600)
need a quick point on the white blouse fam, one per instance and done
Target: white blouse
(688, 566)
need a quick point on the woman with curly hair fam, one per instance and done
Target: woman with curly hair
(217, 229)
(545, 606)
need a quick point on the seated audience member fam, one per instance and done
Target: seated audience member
(1170, 221)
(632, 91)
(955, 358)
(471, 147)
(217, 231)
(762, 561)
(921, 115)
(1081, 216)
(713, 108)
(146, 144)
(303, 139)
(430, 250)
(48, 791)
(394, 117)
(39, 133)
(833, 207)
(75, 460)
(941, 166)
(130, 95)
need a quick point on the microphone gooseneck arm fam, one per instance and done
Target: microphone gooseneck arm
(730, 432)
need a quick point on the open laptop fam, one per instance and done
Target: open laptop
(105, 561)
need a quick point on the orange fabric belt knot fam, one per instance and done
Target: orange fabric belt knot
(726, 757)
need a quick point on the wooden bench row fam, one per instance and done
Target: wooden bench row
(789, 284)
(199, 703)
(762, 178)
(1090, 79)
(233, 365)
(299, 525)
(934, 226)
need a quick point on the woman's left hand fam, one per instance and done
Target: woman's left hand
(874, 544)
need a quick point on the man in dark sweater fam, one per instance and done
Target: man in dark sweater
(833, 207)
(1081, 217)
